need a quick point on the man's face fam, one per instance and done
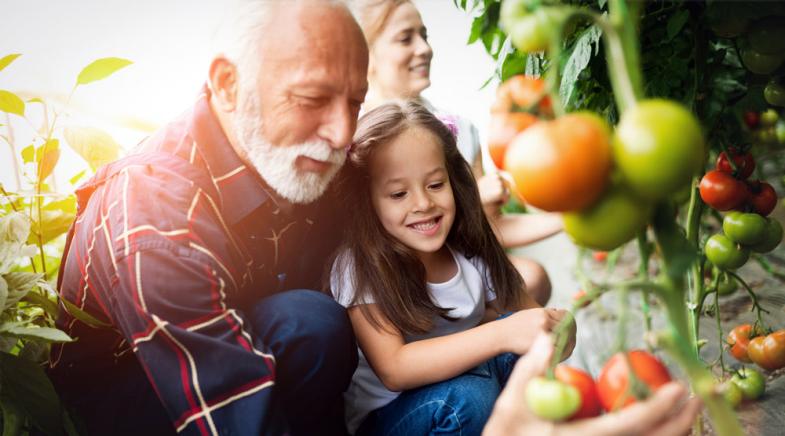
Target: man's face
(296, 118)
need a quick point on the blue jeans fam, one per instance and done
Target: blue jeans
(458, 406)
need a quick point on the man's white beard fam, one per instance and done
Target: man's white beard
(276, 164)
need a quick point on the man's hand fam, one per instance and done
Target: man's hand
(665, 413)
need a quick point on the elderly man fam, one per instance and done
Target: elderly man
(196, 249)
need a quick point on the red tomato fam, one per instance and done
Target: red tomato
(504, 127)
(768, 352)
(613, 381)
(578, 295)
(739, 340)
(562, 165)
(744, 162)
(523, 93)
(751, 119)
(600, 256)
(763, 198)
(722, 191)
(581, 380)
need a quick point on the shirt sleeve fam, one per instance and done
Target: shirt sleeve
(170, 304)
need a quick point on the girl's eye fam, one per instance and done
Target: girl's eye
(398, 195)
(436, 186)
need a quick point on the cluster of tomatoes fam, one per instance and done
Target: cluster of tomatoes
(746, 226)
(751, 345)
(766, 127)
(574, 394)
(605, 182)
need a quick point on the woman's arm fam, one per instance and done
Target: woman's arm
(402, 366)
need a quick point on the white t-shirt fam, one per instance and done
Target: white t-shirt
(465, 292)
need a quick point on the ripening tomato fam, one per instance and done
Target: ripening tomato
(751, 119)
(658, 147)
(768, 351)
(600, 256)
(503, 129)
(751, 383)
(771, 239)
(744, 228)
(584, 383)
(732, 393)
(617, 217)
(613, 381)
(724, 253)
(523, 93)
(561, 165)
(763, 197)
(744, 162)
(552, 399)
(738, 340)
(769, 117)
(722, 191)
(578, 295)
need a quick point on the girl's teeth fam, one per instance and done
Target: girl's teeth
(425, 226)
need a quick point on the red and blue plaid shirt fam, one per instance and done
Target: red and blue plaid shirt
(171, 246)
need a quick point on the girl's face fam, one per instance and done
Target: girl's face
(400, 58)
(411, 192)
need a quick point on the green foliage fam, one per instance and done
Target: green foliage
(101, 69)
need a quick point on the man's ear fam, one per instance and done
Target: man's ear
(223, 83)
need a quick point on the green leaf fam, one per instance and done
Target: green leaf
(3, 293)
(11, 103)
(6, 60)
(28, 154)
(83, 316)
(676, 22)
(12, 418)
(53, 224)
(47, 156)
(577, 61)
(19, 284)
(46, 334)
(75, 179)
(27, 387)
(101, 69)
(94, 145)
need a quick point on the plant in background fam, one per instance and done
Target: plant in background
(33, 220)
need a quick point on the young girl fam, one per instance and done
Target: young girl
(424, 280)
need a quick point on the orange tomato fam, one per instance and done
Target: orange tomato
(768, 351)
(612, 384)
(504, 127)
(561, 165)
(520, 93)
(739, 340)
(582, 381)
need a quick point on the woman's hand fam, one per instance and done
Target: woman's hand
(520, 328)
(665, 413)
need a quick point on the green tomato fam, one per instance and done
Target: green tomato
(769, 117)
(610, 222)
(658, 147)
(751, 383)
(779, 130)
(772, 236)
(767, 36)
(732, 393)
(774, 94)
(727, 285)
(744, 228)
(760, 63)
(534, 32)
(724, 253)
(552, 399)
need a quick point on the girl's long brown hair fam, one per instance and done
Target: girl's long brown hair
(384, 269)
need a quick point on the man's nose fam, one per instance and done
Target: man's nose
(338, 126)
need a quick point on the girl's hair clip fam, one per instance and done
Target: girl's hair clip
(451, 122)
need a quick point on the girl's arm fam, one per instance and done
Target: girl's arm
(515, 230)
(401, 366)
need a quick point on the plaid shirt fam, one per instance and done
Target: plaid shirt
(171, 247)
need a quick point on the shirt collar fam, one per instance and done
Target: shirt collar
(240, 187)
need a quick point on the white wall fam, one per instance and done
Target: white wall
(169, 42)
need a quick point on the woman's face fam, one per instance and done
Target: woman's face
(400, 60)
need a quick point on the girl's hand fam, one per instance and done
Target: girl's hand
(494, 192)
(523, 326)
(665, 413)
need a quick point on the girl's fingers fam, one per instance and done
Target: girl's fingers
(532, 364)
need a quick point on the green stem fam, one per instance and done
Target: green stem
(715, 286)
(696, 292)
(643, 274)
(755, 302)
(12, 144)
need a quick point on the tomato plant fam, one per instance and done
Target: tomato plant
(561, 165)
(738, 340)
(613, 383)
(552, 399)
(744, 228)
(724, 253)
(722, 191)
(658, 147)
(584, 383)
(751, 383)
(768, 351)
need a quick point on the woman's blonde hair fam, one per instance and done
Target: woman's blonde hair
(373, 15)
